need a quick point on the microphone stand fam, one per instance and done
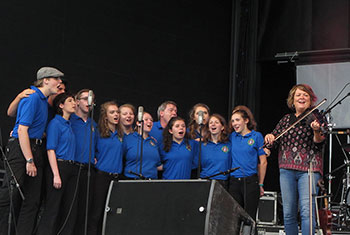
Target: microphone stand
(199, 151)
(89, 169)
(11, 181)
(330, 130)
(310, 174)
(141, 148)
(222, 173)
(141, 155)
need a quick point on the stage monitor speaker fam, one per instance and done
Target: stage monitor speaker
(173, 207)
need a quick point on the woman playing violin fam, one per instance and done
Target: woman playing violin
(300, 145)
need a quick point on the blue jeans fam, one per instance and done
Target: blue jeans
(295, 190)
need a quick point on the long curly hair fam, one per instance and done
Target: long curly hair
(105, 132)
(167, 137)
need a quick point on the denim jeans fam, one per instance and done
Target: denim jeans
(295, 190)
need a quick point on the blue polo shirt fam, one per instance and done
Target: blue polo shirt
(157, 132)
(198, 135)
(178, 162)
(150, 156)
(32, 112)
(245, 152)
(60, 137)
(109, 153)
(215, 158)
(82, 130)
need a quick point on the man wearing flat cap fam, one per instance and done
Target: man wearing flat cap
(25, 152)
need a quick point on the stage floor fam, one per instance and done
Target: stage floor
(278, 229)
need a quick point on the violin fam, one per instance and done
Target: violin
(319, 117)
(325, 214)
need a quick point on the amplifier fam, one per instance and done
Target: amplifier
(267, 210)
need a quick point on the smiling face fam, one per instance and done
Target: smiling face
(112, 115)
(178, 130)
(239, 124)
(127, 116)
(147, 122)
(215, 126)
(301, 101)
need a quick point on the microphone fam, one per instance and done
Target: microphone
(200, 117)
(90, 98)
(140, 114)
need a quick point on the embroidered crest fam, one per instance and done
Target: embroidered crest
(224, 149)
(188, 147)
(251, 141)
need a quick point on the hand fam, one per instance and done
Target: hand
(31, 169)
(57, 183)
(269, 139)
(267, 151)
(25, 93)
(262, 191)
(315, 125)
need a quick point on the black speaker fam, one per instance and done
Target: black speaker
(178, 207)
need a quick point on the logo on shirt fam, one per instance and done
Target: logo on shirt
(251, 141)
(152, 143)
(224, 149)
(188, 147)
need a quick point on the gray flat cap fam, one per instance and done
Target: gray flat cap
(48, 72)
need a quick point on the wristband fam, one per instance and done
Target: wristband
(261, 185)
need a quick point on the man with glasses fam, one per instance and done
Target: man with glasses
(81, 125)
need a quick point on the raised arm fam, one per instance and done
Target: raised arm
(12, 109)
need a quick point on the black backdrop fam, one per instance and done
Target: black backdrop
(141, 52)
(145, 52)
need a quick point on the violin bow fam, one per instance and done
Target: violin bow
(299, 120)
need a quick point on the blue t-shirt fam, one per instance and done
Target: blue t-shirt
(215, 158)
(178, 162)
(157, 132)
(82, 130)
(109, 153)
(60, 137)
(32, 112)
(150, 156)
(245, 152)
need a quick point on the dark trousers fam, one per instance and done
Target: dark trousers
(59, 201)
(24, 212)
(246, 192)
(101, 186)
(81, 197)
